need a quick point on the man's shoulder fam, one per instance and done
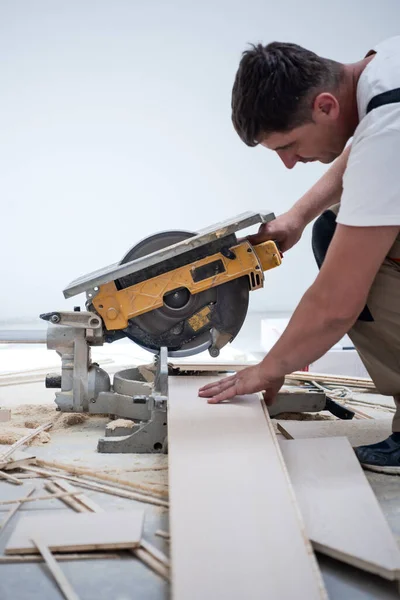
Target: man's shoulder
(382, 73)
(388, 46)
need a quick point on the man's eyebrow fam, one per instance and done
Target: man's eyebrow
(285, 147)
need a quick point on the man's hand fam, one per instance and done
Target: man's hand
(286, 230)
(248, 381)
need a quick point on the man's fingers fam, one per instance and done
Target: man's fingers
(217, 389)
(257, 238)
(263, 234)
(227, 394)
(214, 383)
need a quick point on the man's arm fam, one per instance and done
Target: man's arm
(326, 312)
(333, 303)
(287, 228)
(325, 192)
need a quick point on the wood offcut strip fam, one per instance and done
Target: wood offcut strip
(342, 515)
(55, 570)
(47, 497)
(155, 553)
(162, 534)
(151, 562)
(33, 558)
(15, 508)
(236, 527)
(102, 477)
(106, 489)
(80, 498)
(70, 501)
(10, 478)
(229, 367)
(339, 380)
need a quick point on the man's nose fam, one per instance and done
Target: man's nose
(289, 159)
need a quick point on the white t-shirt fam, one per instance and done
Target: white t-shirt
(371, 183)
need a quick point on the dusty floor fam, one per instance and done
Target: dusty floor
(73, 440)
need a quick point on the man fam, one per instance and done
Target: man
(306, 108)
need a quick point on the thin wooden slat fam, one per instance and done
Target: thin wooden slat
(34, 558)
(363, 382)
(10, 478)
(55, 570)
(68, 500)
(151, 562)
(235, 526)
(114, 530)
(102, 477)
(73, 470)
(15, 508)
(162, 534)
(339, 380)
(61, 495)
(18, 459)
(106, 489)
(80, 498)
(155, 553)
(342, 515)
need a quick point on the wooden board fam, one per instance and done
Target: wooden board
(358, 432)
(235, 526)
(342, 515)
(78, 532)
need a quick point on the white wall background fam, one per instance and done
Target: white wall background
(115, 124)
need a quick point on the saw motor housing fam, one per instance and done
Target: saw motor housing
(117, 306)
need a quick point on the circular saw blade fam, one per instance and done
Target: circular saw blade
(183, 324)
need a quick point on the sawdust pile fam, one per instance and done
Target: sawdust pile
(26, 417)
(10, 435)
(34, 415)
(120, 423)
(296, 416)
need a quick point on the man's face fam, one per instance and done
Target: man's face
(322, 139)
(306, 143)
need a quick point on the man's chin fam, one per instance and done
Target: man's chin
(328, 158)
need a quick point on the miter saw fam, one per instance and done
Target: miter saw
(175, 294)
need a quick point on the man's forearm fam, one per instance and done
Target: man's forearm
(325, 193)
(312, 331)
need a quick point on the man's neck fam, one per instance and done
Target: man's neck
(352, 74)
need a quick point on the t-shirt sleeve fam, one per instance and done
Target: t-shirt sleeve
(371, 183)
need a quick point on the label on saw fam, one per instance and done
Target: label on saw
(208, 270)
(200, 319)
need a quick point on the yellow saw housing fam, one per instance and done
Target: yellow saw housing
(117, 307)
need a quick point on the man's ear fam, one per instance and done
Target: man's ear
(325, 107)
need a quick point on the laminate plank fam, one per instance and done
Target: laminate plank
(236, 531)
(78, 532)
(358, 432)
(342, 515)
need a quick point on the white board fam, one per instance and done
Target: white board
(78, 531)
(358, 431)
(235, 526)
(342, 515)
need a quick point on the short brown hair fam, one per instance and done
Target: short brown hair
(273, 85)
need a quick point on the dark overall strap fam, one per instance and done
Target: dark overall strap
(389, 97)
